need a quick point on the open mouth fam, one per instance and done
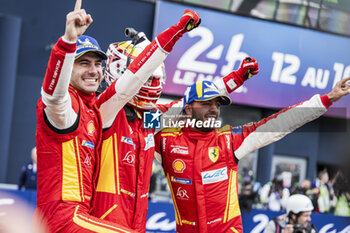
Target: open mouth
(211, 118)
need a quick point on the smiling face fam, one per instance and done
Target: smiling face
(87, 73)
(303, 219)
(203, 111)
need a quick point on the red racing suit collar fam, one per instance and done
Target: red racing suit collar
(88, 99)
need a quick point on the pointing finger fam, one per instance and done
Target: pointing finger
(77, 5)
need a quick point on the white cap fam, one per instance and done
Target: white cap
(299, 203)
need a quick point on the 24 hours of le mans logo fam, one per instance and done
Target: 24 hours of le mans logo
(213, 153)
(179, 166)
(90, 128)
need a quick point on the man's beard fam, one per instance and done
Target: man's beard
(204, 129)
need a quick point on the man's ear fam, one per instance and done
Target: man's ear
(188, 109)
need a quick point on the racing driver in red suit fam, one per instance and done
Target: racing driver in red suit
(69, 124)
(200, 161)
(127, 148)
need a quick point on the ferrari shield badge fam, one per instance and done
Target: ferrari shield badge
(213, 153)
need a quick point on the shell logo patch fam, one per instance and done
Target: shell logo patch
(179, 166)
(213, 153)
(90, 128)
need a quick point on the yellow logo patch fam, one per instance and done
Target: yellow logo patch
(90, 128)
(179, 165)
(213, 153)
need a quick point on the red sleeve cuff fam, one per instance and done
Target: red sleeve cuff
(69, 48)
(237, 81)
(326, 101)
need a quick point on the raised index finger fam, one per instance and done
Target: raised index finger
(77, 5)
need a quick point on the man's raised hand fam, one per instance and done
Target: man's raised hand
(77, 21)
(340, 89)
(249, 67)
(77, 5)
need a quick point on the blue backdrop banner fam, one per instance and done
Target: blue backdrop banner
(295, 63)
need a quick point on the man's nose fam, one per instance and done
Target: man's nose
(93, 69)
(214, 107)
(309, 219)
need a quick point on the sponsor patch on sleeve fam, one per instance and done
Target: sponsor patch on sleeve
(237, 130)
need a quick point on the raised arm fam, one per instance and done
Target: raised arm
(138, 72)
(252, 136)
(340, 89)
(54, 90)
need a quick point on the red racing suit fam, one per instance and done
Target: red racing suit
(69, 132)
(128, 148)
(68, 140)
(201, 167)
(126, 168)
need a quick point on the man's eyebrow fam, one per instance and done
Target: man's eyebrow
(84, 60)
